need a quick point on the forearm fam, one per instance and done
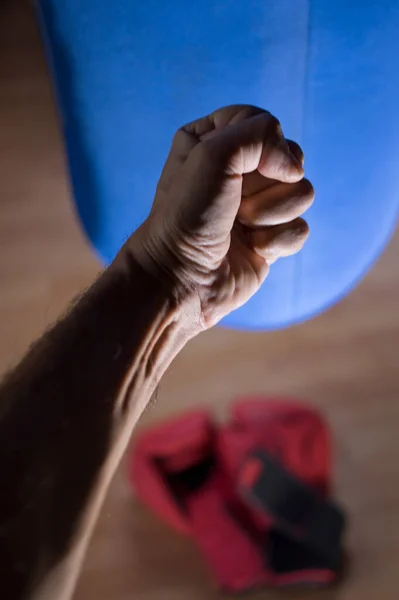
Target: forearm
(66, 414)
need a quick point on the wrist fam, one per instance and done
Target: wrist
(162, 271)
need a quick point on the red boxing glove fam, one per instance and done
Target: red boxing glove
(253, 493)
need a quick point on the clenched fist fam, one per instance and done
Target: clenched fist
(228, 204)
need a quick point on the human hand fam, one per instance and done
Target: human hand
(228, 204)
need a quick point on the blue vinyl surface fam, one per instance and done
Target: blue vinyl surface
(128, 74)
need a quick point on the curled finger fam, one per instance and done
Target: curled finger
(296, 151)
(278, 204)
(281, 240)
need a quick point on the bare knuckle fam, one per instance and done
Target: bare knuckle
(307, 193)
(248, 110)
(178, 136)
(274, 124)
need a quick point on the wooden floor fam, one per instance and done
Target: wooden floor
(346, 362)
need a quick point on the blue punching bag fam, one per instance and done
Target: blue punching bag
(129, 73)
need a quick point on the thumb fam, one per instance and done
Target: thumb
(254, 143)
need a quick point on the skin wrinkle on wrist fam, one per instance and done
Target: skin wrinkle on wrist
(172, 281)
